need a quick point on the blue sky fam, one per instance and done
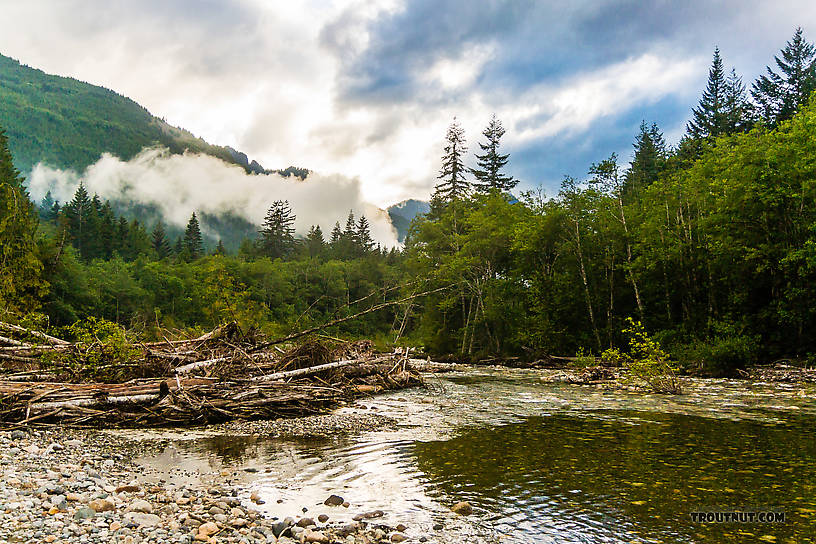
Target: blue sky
(366, 89)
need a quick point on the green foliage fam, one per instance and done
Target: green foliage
(647, 363)
(102, 349)
(583, 359)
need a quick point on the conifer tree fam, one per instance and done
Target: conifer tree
(220, 249)
(336, 234)
(489, 175)
(315, 244)
(778, 95)
(708, 117)
(278, 232)
(159, 242)
(453, 185)
(193, 244)
(20, 268)
(107, 231)
(363, 235)
(648, 161)
(79, 217)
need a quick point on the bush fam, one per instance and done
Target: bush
(647, 363)
(720, 355)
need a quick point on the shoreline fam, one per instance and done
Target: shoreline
(62, 486)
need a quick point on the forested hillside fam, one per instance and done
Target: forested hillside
(67, 123)
(710, 244)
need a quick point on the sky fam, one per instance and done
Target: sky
(366, 89)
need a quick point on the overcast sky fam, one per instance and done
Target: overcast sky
(367, 88)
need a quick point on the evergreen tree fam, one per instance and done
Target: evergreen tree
(220, 249)
(363, 235)
(46, 207)
(315, 244)
(453, 185)
(20, 282)
(336, 234)
(121, 236)
(488, 175)
(648, 161)
(79, 218)
(193, 244)
(278, 232)
(708, 118)
(737, 114)
(350, 231)
(107, 231)
(779, 95)
(138, 241)
(159, 242)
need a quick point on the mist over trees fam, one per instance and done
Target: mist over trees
(710, 244)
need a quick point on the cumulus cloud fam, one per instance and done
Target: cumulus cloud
(179, 185)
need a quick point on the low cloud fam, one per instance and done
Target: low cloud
(179, 185)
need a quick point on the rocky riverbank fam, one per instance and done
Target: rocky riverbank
(63, 486)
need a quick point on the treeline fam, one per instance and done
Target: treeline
(710, 244)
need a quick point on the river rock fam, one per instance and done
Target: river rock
(462, 508)
(305, 522)
(369, 515)
(142, 519)
(84, 513)
(102, 505)
(398, 537)
(141, 505)
(207, 529)
(315, 536)
(322, 518)
(334, 500)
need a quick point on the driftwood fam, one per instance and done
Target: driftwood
(37, 334)
(223, 376)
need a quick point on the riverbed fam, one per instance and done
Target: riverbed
(538, 461)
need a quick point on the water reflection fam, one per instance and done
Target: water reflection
(545, 462)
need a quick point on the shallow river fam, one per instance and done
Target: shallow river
(544, 462)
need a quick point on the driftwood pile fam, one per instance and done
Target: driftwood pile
(216, 377)
(781, 371)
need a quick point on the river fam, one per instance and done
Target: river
(547, 462)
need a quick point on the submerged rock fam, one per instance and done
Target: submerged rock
(462, 508)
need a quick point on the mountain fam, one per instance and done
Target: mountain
(404, 212)
(66, 123)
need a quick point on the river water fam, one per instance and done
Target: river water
(549, 462)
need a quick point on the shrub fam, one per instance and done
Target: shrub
(647, 363)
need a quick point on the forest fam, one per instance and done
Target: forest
(710, 244)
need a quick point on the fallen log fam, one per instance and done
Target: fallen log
(37, 334)
(300, 372)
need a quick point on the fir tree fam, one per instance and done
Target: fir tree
(21, 284)
(648, 161)
(778, 95)
(80, 218)
(193, 244)
(46, 207)
(278, 232)
(159, 242)
(708, 117)
(737, 114)
(488, 175)
(220, 249)
(315, 244)
(336, 234)
(453, 185)
(107, 230)
(363, 235)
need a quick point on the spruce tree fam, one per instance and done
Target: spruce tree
(278, 233)
(453, 185)
(193, 244)
(159, 242)
(489, 175)
(220, 249)
(708, 117)
(21, 284)
(363, 234)
(778, 95)
(79, 217)
(648, 161)
(315, 244)
(336, 234)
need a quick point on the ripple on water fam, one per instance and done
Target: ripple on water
(547, 462)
